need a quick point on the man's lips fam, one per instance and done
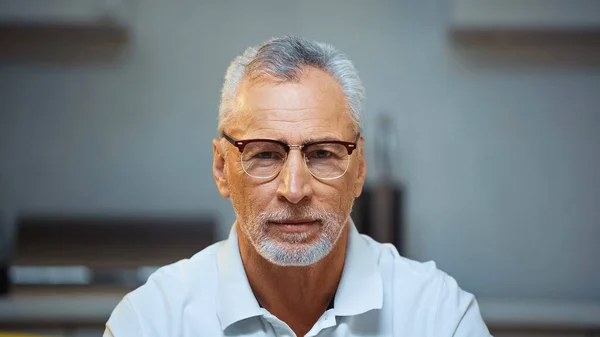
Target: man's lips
(294, 225)
(294, 222)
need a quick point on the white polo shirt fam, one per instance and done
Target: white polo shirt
(380, 294)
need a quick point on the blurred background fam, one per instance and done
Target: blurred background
(482, 127)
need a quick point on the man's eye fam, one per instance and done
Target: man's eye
(321, 154)
(265, 155)
(268, 155)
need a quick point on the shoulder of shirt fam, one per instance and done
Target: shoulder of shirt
(181, 279)
(422, 283)
(387, 257)
(443, 306)
(159, 305)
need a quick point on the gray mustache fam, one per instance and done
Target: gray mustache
(302, 212)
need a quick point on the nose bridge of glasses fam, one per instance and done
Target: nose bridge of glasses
(289, 152)
(297, 147)
(291, 147)
(291, 166)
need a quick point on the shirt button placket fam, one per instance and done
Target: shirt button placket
(280, 329)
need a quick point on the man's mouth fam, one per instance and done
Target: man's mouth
(295, 225)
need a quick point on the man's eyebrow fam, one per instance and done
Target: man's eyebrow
(308, 141)
(322, 139)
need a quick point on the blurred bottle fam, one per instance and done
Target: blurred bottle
(379, 212)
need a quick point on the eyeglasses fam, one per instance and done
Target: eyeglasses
(264, 158)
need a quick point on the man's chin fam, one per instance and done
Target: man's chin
(294, 254)
(291, 248)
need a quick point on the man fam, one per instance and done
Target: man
(291, 159)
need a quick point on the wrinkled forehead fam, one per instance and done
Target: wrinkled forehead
(313, 107)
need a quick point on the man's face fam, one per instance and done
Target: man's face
(292, 218)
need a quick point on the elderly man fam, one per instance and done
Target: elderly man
(291, 159)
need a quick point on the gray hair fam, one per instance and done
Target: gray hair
(283, 59)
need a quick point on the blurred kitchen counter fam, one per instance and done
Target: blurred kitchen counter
(62, 308)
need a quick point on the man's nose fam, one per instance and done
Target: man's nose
(295, 179)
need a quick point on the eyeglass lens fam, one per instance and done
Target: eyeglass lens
(266, 159)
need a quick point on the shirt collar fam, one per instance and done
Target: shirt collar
(235, 299)
(360, 289)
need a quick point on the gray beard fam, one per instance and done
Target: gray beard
(294, 252)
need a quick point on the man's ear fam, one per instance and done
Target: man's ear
(219, 169)
(362, 168)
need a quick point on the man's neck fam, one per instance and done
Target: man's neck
(295, 295)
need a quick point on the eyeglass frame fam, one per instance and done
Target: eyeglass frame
(241, 144)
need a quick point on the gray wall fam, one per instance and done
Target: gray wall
(500, 158)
